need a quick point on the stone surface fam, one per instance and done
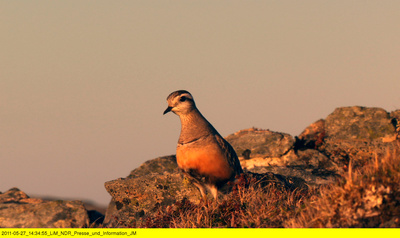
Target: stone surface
(310, 165)
(313, 136)
(261, 143)
(395, 114)
(357, 134)
(159, 182)
(156, 182)
(358, 123)
(282, 154)
(17, 210)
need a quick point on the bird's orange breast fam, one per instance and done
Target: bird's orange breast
(207, 161)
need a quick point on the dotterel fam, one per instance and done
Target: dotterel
(202, 154)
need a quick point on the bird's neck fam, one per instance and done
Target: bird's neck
(194, 126)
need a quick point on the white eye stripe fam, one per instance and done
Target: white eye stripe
(186, 96)
(179, 94)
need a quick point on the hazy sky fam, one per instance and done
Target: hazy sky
(83, 84)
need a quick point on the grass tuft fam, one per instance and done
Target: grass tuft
(367, 197)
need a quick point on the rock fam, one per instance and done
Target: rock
(396, 122)
(319, 155)
(12, 195)
(156, 166)
(359, 123)
(395, 114)
(279, 153)
(246, 154)
(313, 136)
(17, 210)
(156, 183)
(357, 134)
(324, 149)
(351, 133)
(310, 165)
(314, 159)
(261, 143)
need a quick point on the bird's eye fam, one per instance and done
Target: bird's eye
(182, 99)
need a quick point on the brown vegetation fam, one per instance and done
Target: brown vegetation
(369, 196)
(248, 205)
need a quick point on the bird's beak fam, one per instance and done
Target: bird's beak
(167, 110)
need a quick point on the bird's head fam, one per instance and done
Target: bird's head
(180, 102)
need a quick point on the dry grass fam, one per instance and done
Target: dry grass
(367, 197)
(248, 205)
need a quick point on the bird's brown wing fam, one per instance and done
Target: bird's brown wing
(230, 154)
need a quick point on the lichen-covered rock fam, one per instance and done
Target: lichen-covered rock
(357, 134)
(351, 134)
(310, 165)
(159, 182)
(279, 153)
(17, 210)
(261, 143)
(358, 123)
(156, 182)
(156, 166)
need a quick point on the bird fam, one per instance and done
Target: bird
(202, 154)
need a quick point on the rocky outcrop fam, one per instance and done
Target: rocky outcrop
(319, 155)
(357, 134)
(280, 153)
(156, 183)
(18, 210)
(310, 165)
(327, 146)
(261, 143)
(358, 123)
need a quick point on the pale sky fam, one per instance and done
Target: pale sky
(83, 84)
